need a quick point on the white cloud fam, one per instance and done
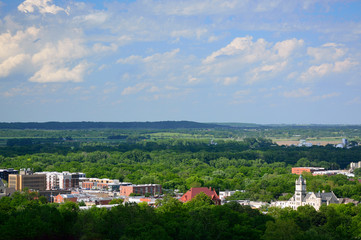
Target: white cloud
(11, 63)
(153, 58)
(260, 50)
(12, 45)
(327, 52)
(99, 48)
(285, 48)
(64, 50)
(43, 6)
(134, 89)
(258, 73)
(49, 73)
(95, 18)
(15, 49)
(237, 46)
(61, 62)
(341, 66)
(327, 68)
(301, 92)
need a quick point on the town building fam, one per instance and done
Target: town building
(302, 197)
(60, 198)
(188, 196)
(300, 170)
(26, 179)
(151, 189)
(355, 165)
(101, 184)
(61, 180)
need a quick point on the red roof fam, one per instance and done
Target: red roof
(194, 191)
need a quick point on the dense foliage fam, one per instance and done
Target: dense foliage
(25, 216)
(257, 166)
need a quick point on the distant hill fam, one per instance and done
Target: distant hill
(108, 125)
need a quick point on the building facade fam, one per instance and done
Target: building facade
(302, 197)
(33, 181)
(300, 170)
(61, 180)
(152, 189)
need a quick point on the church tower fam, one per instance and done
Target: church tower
(300, 192)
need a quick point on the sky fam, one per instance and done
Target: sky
(249, 61)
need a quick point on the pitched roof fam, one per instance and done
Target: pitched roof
(195, 191)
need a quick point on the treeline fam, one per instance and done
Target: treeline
(25, 216)
(171, 129)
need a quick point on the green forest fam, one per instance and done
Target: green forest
(235, 157)
(26, 216)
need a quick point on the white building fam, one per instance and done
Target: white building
(63, 180)
(302, 197)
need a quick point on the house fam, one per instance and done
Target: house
(188, 196)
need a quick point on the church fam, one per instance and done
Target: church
(302, 197)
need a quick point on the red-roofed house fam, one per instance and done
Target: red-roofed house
(195, 191)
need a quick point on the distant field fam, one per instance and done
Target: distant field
(314, 142)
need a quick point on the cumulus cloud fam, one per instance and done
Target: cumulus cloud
(11, 45)
(237, 46)
(327, 52)
(43, 6)
(15, 49)
(135, 89)
(50, 73)
(268, 69)
(255, 59)
(285, 48)
(61, 62)
(317, 71)
(64, 50)
(252, 51)
(11, 63)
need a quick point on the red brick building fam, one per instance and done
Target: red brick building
(300, 170)
(60, 198)
(87, 185)
(195, 191)
(152, 189)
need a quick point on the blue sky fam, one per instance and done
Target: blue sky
(259, 61)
